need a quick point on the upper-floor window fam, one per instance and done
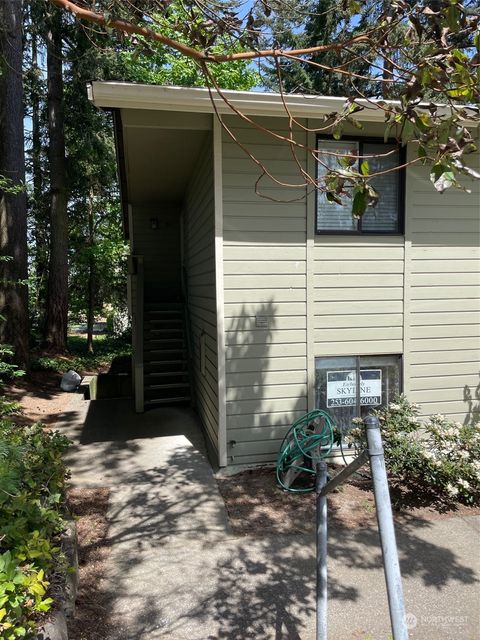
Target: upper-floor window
(387, 216)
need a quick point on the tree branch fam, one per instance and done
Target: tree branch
(128, 27)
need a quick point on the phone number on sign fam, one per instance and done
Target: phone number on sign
(350, 402)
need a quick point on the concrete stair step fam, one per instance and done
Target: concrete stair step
(168, 385)
(166, 401)
(162, 374)
(165, 331)
(160, 352)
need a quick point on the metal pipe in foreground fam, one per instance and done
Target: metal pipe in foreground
(386, 529)
(321, 481)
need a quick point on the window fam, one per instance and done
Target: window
(387, 216)
(338, 392)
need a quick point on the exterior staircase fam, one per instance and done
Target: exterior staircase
(165, 355)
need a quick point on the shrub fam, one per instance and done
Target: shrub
(32, 483)
(438, 456)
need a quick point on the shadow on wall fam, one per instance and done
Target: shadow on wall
(472, 398)
(266, 375)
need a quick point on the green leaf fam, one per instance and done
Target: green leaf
(442, 177)
(337, 134)
(476, 40)
(346, 161)
(359, 203)
(365, 168)
(407, 131)
(332, 198)
(453, 18)
(354, 108)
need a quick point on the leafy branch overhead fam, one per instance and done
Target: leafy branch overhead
(416, 61)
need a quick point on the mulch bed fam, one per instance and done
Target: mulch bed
(89, 507)
(256, 506)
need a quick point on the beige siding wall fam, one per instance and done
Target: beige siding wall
(265, 282)
(415, 295)
(358, 295)
(442, 350)
(199, 259)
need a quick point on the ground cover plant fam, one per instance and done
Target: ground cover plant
(32, 517)
(436, 457)
(77, 358)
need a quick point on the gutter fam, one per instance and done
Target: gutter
(128, 95)
(125, 95)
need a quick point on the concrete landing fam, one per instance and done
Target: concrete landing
(177, 572)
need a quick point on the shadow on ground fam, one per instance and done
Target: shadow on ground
(177, 571)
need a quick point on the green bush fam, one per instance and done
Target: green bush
(437, 456)
(8, 371)
(32, 484)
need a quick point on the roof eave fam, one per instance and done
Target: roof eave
(123, 95)
(126, 95)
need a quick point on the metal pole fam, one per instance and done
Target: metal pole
(345, 473)
(386, 530)
(321, 480)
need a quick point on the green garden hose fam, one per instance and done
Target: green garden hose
(306, 442)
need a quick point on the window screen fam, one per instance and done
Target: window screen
(386, 216)
(338, 391)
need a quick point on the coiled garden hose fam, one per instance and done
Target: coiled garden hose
(306, 442)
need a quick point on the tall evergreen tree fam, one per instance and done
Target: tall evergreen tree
(35, 90)
(313, 77)
(13, 208)
(56, 321)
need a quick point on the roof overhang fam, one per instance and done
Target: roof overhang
(125, 95)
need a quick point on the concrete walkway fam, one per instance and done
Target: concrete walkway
(177, 572)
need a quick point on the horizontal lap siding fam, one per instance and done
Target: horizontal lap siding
(264, 276)
(199, 238)
(358, 295)
(444, 314)
(360, 289)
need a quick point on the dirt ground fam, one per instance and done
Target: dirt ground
(89, 507)
(40, 397)
(257, 506)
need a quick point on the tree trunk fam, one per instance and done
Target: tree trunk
(13, 206)
(91, 275)
(57, 300)
(38, 210)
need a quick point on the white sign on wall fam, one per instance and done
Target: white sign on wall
(342, 388)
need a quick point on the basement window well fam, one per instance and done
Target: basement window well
(351, 386)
